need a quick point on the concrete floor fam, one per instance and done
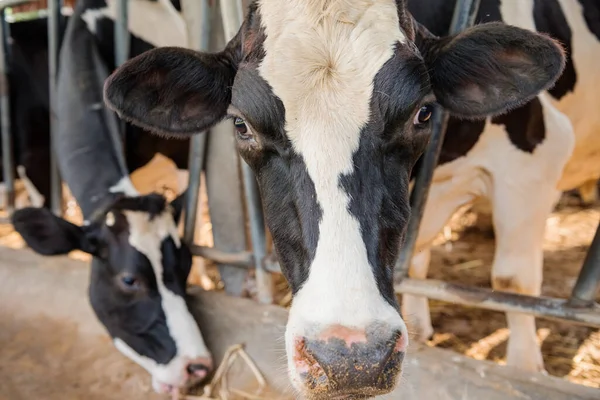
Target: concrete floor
(52, 347)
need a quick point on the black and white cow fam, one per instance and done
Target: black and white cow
(140, 265)
(331, 100)
(518, 162)
(153, 23)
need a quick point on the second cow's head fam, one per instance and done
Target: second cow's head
(332, 103)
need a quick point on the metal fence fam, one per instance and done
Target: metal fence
(580, 308)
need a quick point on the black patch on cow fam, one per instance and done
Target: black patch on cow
(135, 318)
(591, 13)
(175, 269)
(288, 193)
(524, 125)
(549, 18)
(389, 146)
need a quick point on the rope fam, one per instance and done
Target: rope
(218, 388)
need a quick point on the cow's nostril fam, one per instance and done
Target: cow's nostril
(198, 370)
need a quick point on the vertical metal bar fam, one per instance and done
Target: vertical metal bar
(122, 41)
(232, 20)
(465, 12)
(122, 32)
(199, 26)
(5, 123)
(54, 39)
(584, 292)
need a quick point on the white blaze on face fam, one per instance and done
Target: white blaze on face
(321, 57)
(146, 236)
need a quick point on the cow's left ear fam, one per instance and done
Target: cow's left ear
(174, 91)
(490, 68)
(50, 235)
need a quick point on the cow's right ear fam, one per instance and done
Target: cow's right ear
(50, 235)
(173, 91)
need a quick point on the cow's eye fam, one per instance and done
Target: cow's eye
(423, 116)
(241, 129)
(129, 282)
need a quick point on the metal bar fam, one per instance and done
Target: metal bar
(257, 234)
(543, 307)
(197, 15)
(196, 162)
(584, 292)
(464, 15)
(54, 40)
(5, 123)
(122, 42)
(122, 32)
(232, 13)
(242, 259)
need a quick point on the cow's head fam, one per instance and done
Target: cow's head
(138, 281)
(331, 102)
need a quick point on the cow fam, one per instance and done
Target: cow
(332, 102)
(518, 163)
(140, 264)
(29, 96)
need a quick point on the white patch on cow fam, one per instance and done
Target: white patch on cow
(335, 49)
(146, 236)
(580, 105)
(157, 23)
(125, 186)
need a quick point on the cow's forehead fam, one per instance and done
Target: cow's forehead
(321, 58)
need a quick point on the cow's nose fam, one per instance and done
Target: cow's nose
(199, 368)
(348, 362)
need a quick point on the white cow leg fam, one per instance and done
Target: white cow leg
(415, 309)
(520, 215)
(198, 274)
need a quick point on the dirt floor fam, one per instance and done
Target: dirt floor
(463, 254)
(569, 351)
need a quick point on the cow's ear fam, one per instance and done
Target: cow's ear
(50, 235)
(173, 91)
(490, 68)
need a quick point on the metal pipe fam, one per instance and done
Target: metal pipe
(464, 15)
(121, 43)
(543, 307)
(122, 36)
(195, 13)
(584, 292)
(5, 123)
(242, 259)
(232, 13)
(257, 234)
(54, 40)
(195, 164)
